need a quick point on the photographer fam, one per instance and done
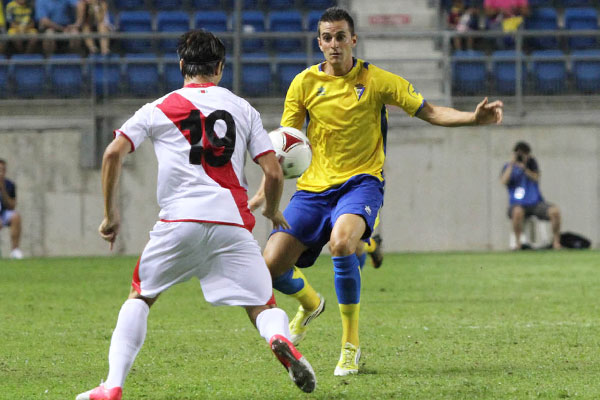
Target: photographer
(521, 176)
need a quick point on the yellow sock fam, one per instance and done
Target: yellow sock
(307, 296)
(349, 313)
(371, 246)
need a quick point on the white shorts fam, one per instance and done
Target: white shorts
(6, 217)
(226, 259)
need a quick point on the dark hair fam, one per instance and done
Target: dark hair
(2, 161)
(201, 52)
(522, 146)
(333, 14)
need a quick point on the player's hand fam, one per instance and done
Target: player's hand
(109, 229)
(489, 113)
(277, 219)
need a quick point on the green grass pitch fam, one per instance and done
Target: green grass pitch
(433, 326)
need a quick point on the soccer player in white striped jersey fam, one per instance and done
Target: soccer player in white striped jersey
(201, 134)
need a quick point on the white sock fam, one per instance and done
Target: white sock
(273, 321)
(127, 339)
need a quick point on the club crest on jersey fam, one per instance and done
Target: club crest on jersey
(321, 91)
(359, 88)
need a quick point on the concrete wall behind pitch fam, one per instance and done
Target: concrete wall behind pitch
(442, 188)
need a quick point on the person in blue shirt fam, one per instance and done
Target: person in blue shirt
(57, 16)
(521, 176)
(8, 215)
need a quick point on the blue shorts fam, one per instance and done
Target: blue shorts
(6, 217)
(312, 215)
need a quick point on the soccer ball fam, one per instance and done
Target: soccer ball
(292, 150)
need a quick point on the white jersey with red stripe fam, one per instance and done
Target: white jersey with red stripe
(201, 134)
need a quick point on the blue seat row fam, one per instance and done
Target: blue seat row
(140, 75)
(546, 18)
(220, 4)
(547, 72)
(217, 21)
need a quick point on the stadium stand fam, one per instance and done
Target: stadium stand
(313, 22)
(28, 79)
(285, 72)
(171, 21)
(581, 19)
(253, 21)
(469, 72)
(206, 4)
(545, 18)
(577, 3)
(505, 72)
(586, 70)
(280, 4)
(136, 22)
(3, 77)
(256, 70)
(106, 76)
(172, 74)
(142, 75)
(166, 5)
(318, 4)
(122, 5)
(286, 21)
(214, 21)
(66, 80)
(549, 71)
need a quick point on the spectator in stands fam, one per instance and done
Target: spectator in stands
(521, 176)
(463, 17)
(2, 28)
(57, 16)
(92, 16)
(8, 215)
(19, 16)
(505, 16)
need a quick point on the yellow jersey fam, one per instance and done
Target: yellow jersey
(347, 120)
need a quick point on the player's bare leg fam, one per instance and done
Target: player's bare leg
(281, 253)
(345, 238)
(517, 218)
(554, 214)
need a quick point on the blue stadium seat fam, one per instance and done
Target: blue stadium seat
(171, 21)
(136, 22)
(166, 5)
(577, 3)
(280, 4)
(106, 72)
(549, 73)
(173, 78)
(581, 19)
(121, 5)
(542, 19)
(253, 21)
(313, 25)
(28, 79)
(213, 21)
(141, 72)
(505, 71)
(586, 71)
(257, 78)
(287, 71)
(286, 21)
(3, 76)
(227, 79)
(541, 3)
(66, 80)
(319, 4)
(247, 5)
(469, 72)
(206, 4)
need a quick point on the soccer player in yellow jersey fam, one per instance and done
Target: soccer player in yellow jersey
(339, 195)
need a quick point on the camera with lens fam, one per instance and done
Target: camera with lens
(520, 158)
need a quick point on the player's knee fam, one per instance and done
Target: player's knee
(518, 213)
(16, 218)
(341, 247)
(554, 212)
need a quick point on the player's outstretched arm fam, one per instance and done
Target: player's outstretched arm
(259, 197)
(112, 162)
(485, 113)
(273, 188)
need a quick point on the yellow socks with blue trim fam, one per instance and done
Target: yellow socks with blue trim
(349, 313)
(371, 246)
(294, 283)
